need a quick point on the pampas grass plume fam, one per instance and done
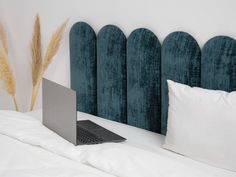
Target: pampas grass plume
(41, 65)
(36, 51)
(7, 77)
(3, 38)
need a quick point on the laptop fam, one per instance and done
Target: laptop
(60, 115)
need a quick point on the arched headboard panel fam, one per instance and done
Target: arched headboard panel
(111, 74)
(180, 62)
(125, 80)
(219, 64)
(143, 76)
(83, 66)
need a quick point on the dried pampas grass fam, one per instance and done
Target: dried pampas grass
(36, 51)
(39, 66)
(3, 38)
(7, 77)
(53, 45)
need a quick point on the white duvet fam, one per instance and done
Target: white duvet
(30, 149)
(19, 159)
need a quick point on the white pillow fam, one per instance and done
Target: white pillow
(202, 124)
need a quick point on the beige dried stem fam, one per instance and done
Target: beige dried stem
(52, 49)
(7, 77)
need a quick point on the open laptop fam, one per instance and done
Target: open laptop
(60, 115)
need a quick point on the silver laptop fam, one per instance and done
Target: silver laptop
(60, 115)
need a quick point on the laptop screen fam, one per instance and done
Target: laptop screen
(59, 110)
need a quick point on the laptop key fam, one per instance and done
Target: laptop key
(86, 137)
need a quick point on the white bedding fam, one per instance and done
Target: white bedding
(22, 160)
(19, 159)
(141, 155)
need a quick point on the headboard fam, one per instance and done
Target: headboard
(124, 79)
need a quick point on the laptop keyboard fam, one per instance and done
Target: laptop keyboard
(86, 137)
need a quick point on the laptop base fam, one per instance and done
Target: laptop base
(89, 132)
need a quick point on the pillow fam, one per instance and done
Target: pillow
(202, 124)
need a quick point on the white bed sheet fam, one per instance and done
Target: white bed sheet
(147, 141)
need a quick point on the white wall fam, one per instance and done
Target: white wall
(201, 18)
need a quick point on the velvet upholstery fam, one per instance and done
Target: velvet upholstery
(143, 76)
(83, 67)
(180, 62)
(125, 80)
(219, 64)
(111, 74)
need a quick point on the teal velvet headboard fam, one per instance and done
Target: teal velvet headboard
(124, 79)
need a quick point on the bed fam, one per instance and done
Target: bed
(121, 85)
(25, 151)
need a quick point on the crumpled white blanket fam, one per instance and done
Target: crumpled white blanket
(19, 159)
(117, 159)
